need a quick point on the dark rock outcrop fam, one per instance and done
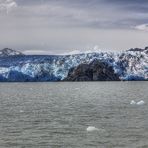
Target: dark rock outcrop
(95, 71)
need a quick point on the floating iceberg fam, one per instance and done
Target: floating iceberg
(133, 102)
(91, 129)
(137, 103)
(141, 102)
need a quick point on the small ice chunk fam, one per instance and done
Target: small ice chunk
(141, 102)
(91, 129)
(132, 102)
(21, 111)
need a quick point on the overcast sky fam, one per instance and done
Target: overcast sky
(56, 26)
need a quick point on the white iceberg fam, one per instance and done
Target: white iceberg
(132, 102)
(141, 102)
(91, 129)
(137, 103)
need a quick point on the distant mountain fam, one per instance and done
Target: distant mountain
(94, 66)
(138, 49)
(9, 52)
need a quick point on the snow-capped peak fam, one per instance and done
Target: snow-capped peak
(9, 52)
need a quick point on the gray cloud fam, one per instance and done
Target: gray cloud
(86, 13)
(83, 13)
(65, 24)
(7, 5)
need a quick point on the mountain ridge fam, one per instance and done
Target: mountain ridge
(9, 52)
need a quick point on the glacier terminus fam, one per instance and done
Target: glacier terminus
(125, 66)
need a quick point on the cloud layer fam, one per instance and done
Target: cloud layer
(59, 25)
(7, 5)
(143, 27)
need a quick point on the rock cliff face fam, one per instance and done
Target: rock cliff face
(95, 71)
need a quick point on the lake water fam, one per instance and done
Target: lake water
(56, 115)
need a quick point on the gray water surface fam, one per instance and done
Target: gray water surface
(56, 115)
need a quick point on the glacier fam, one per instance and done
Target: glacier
(129, 65)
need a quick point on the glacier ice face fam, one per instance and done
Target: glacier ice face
(129, 65)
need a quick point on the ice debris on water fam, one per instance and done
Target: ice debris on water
(94, 129)
(21, 111)
(91, 129)
(133, 102)
(137, 103)
(140, 102)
